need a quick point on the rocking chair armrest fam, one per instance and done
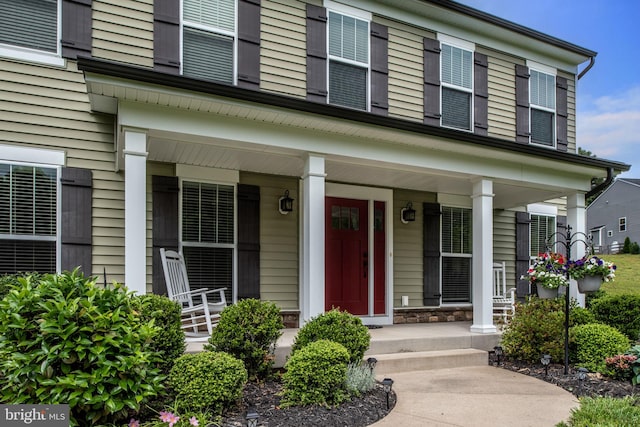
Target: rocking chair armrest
(192, 292)
(210, 291)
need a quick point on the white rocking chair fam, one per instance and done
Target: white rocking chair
(196, 318)
(503, 300)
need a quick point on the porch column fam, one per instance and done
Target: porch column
(312, 289)
(135, 211)
(482, 264)
(577, 219)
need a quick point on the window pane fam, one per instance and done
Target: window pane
(207, 55)
(207, 213)
(27, 256)
(542, 89)
(456, 280)
(456, 230)
(542, 228)
(214, 13)
(456, 108)
(347, 85)
(542, 127)
(348, 38)
(456, 66)
(30, 23)
(210, 268)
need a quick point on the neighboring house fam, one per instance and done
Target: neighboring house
(615, 215)
(420, 141)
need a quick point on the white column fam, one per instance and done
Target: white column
(482, 265)
(577, 219)
(135, 211)
(312, 288)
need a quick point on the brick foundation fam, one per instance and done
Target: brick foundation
(290, 318)
(432, 315)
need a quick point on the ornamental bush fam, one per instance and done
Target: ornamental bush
(8, 281)
(249, 331)
(168, 344)
(591, 344)
(620, 311)
(207, 380)
(66, 340)
(338, 326)
(316, 374)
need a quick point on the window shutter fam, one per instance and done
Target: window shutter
(76, 28)
(249, 44)
(480, 94)
(316, 53)
(431, 254)
(561, 113)
(166, 36)
(379, 69)
(248, 241)
(431, 82)
(522, 104)
(75, 226)
(165, 225)
(522, 253)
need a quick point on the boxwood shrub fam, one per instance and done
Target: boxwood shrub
(620, 311)
(591, 344)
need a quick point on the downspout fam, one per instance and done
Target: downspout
(602, 186)
(592, 61)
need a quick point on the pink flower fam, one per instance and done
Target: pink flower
(169, 417)
(133, 423)
(194, 421)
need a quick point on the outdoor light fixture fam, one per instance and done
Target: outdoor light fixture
(371, 362)
(285, 203)
(582, 375)
(498, 350)
(545, 360)
(387, 383)
(252, 417)
(407, 214)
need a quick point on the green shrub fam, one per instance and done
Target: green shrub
(360, 379)
(626, 248)
(8, 281)
(635, 376)
(535, 329)
(591, 344)
(620, 311)
(337, 326)
(66, 340)
(635, 248)
(207, 380)
(316, 374)
(605, 411)
(581, 316)
(249, 331)
(168, 344)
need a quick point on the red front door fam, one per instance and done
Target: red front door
(347, 255)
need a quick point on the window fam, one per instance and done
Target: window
(622, 224)
(542, 94)
(29, 29)
(208, 237)
(542, 227)
(348, 61)
(209, 39)
(28, 218)
(456, 255)
(457, 86)
(609, 233)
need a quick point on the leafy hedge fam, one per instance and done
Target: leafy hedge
(620, 311)
(592, 343)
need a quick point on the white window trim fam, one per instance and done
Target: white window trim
(38, 56)
(39, 156)
(444, 254)
(464, 45)
(620, 225)
(348, 10)
(545, 69)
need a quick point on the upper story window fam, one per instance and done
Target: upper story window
(30, 30)
(457, 86)
(348, 60)
(209, 39)
(622, 224)
(542, 98)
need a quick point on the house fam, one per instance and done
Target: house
(416, 142)
(615, 215)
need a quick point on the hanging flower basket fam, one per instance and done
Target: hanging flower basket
(548, 272)
(590, 272)
(589, 284)
(547, 293)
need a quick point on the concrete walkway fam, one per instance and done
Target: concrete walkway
(476, 396)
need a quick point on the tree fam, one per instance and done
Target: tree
(595, 181)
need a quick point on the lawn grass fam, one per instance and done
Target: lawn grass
(627, 279)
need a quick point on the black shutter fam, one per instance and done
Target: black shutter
(249, 44)
(561, 113)
(165, 225)
(316, 53)
(76, 28)
(522, 253)
(480, 94)
(522, 104)
(431, 255)
(431, 82)
(248, 241)
(75, 226)
(379, 69)
(166, 36)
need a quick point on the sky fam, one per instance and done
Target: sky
(608, 96)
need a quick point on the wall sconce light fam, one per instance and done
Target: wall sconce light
(252, 417)
(285, 203)
(407, 214)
